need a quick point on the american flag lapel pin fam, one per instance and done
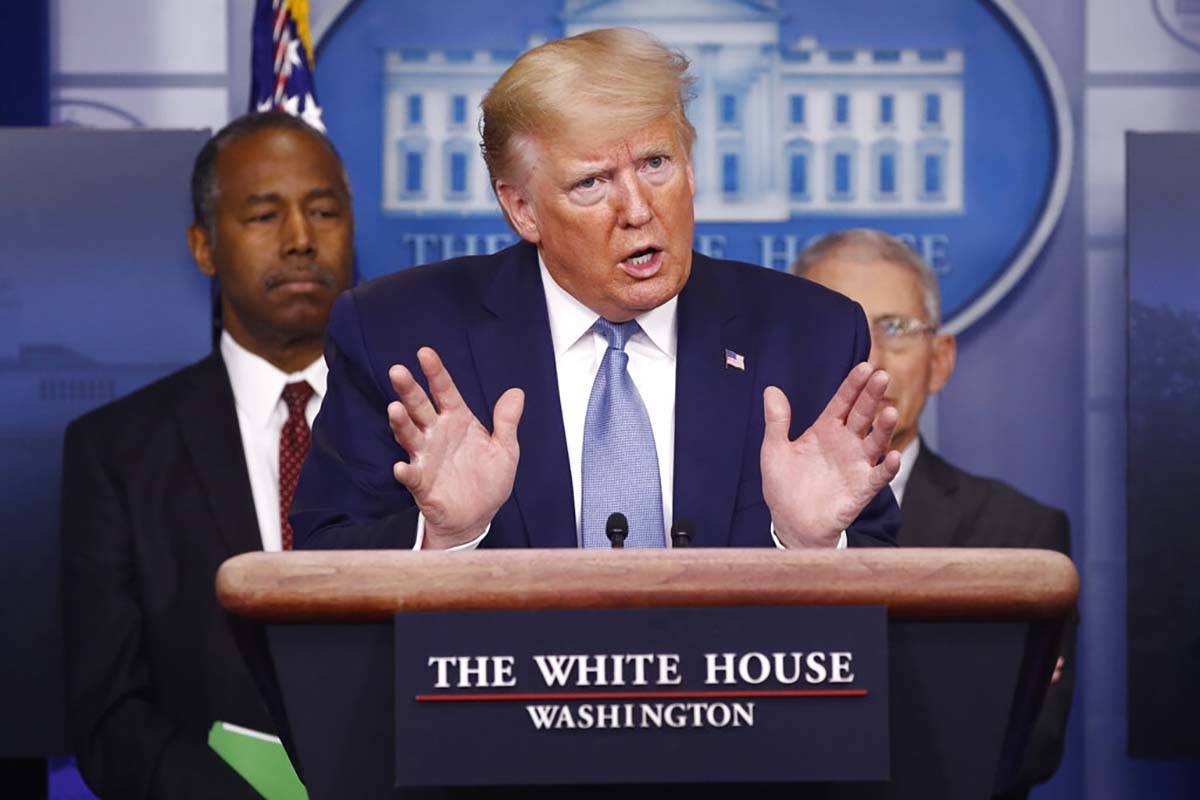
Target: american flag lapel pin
(735, 360)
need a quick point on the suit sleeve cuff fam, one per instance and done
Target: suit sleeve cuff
(841, 543)
(471, 545)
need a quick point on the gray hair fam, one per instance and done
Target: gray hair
(868, 244)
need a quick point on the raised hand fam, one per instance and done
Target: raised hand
(458, 473)
(818, 484)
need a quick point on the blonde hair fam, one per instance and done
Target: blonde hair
(868, 244)
(620, 79)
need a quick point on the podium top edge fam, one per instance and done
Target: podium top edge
(914, 584)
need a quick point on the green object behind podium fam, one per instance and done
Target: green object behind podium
(259, 758)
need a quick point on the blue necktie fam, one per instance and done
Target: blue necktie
(620, 464)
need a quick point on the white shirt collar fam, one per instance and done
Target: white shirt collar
(571, 319)
(258, 384)
(908, 457)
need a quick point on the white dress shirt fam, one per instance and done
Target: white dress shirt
(261, 413)
(578, 353)
(908, 457)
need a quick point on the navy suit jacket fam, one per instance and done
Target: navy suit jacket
(486, 317)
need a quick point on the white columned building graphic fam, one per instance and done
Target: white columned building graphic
(784, 130)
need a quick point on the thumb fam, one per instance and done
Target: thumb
(505, 417)
(777, 415)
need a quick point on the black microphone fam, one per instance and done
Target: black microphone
(682, 532)
(616, 529)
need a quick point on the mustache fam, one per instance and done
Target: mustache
(311, 272)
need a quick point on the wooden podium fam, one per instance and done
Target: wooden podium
(972, 639)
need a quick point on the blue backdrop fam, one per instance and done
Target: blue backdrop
(98, 296)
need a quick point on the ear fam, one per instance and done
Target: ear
(945, 353)
(520, 212)
(691, 178)
(201, 247)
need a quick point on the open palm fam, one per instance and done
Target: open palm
(818, 484)
(458, 473)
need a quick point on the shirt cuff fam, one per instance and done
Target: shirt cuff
(471, 545)
(841, 543)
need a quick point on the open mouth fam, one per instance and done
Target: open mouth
(643, 263)
(642, 256)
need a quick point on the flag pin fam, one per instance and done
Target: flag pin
(735, 360)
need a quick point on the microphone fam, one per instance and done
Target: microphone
(616, 529)
(682, 532)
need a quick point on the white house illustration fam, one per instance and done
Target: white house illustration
(47, 383)
(783, 130)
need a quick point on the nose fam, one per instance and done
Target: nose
(297, 234)
(633, 207)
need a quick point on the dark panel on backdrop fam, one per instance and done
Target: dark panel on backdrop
(1163, 476)
(25, 63)
(98, 296)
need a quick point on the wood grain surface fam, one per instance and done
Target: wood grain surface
(915, 584)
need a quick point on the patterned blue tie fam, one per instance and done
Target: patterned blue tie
(620, 464)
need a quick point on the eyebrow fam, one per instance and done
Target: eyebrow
(255, 199)
(322, 193)
(274, 197)
(661, 147)
(587, 171)
(897, 315)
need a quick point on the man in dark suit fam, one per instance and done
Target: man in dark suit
(160, 487)
(940, 504)
(656, 381)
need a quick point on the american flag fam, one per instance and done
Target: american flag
(282, 65)
(735, 360)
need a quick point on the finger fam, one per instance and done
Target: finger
(408, 475)
(880, 437)
(883, 472)
(404, 431)
(866, 405)
(416, 402)
(441, 385)
(843, 400)
(505, 417)
(777, 415)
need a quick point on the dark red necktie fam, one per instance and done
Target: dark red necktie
(293, 447)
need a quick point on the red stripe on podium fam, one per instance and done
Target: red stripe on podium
(767, 693)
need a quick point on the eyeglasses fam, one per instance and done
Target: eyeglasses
(897, 333)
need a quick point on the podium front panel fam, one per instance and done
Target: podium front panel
(641, 695)
(951, 686)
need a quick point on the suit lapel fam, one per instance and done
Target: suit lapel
(207, 420)
(512, 347)
(208, 424)
(711, 403)
(928, 517)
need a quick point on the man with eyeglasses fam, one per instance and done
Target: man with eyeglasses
(940, 504)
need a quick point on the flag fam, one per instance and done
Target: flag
(281, 68)
(735, 360)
